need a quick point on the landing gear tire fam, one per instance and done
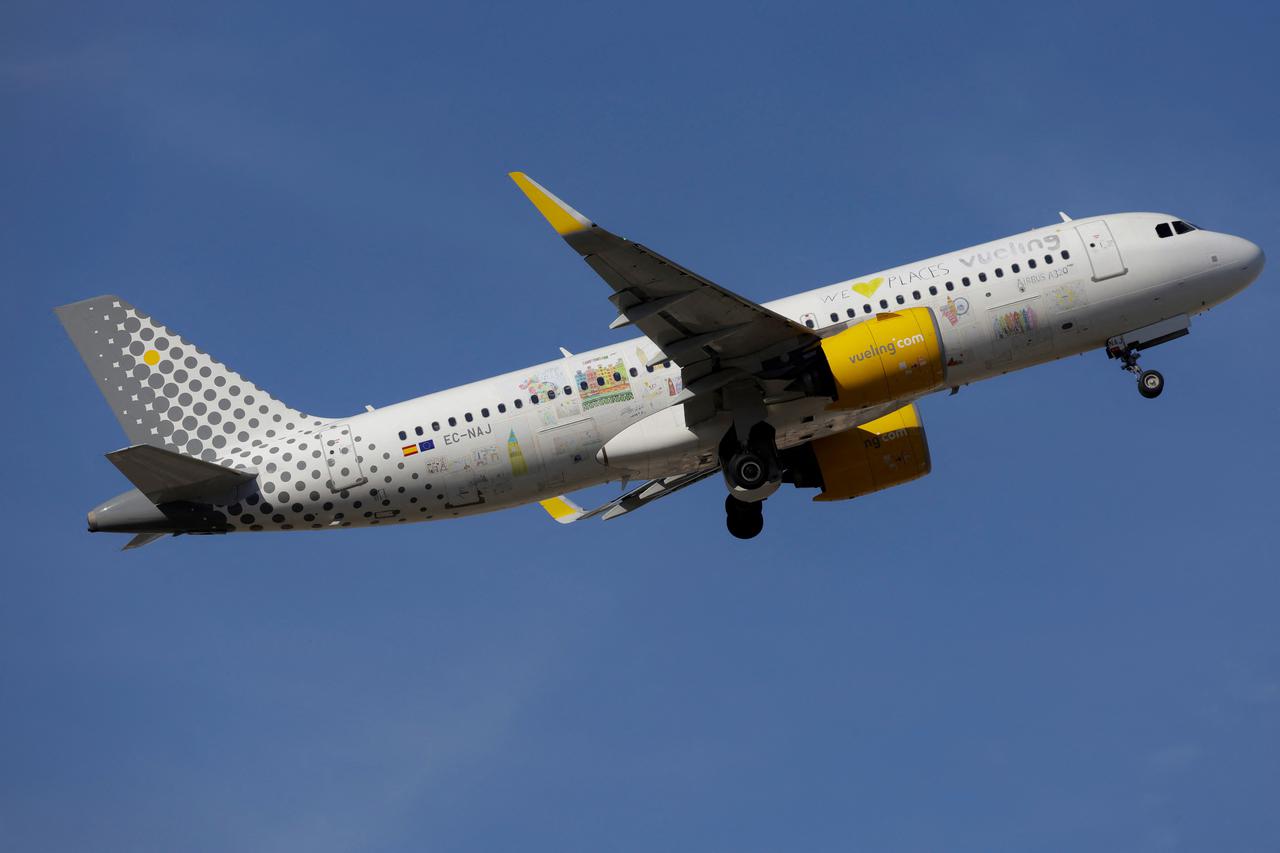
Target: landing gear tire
(1150, 384)
(744, 520)
(748, 470)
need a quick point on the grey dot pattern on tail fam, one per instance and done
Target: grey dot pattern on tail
(167, 392)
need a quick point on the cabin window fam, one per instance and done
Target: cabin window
(467, 417)
(1180, 227)
(533, 398)
(435, 426)
(551, 395)
(835, 318)
(1031, 262)
(600, 380)
(950, 286)
(484, 413)
(901, 300)
(583, 385)
(453, 421)
(999, 273)
(884, 303)
(982, 276)
(1048, 259)
(568, 391)
(1016, 269)
(634, 373)
(933, 291)
(519, 404)
(667, 363)
(866, 309)
(502, 408)
(850, 313)
(1066, 256)
(809, 323)
(402, 435)
(915, 294)
(965, 281)
(417, 430)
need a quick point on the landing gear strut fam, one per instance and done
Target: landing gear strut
(744, 520)
(1150, 382)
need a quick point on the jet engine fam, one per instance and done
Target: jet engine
(888, 451)
(888, 357)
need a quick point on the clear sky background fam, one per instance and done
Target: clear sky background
(1065, 638)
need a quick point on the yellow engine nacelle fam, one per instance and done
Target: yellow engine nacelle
(886, 452)
(892, 356)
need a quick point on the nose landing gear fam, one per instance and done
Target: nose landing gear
(1127, 346)
(1150, 382)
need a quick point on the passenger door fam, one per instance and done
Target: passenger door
(1100, 246)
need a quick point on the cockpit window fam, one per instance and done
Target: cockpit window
(1177, 226)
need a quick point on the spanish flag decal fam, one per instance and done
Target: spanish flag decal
(409, 449)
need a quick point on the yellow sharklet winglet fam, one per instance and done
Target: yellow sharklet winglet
(562, 217)
(562, 509)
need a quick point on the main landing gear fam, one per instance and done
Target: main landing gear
(1150, 382)
(751, 473)
(744, 520)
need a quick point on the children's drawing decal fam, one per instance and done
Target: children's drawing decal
(953, 309)
(516, 455)
(606, 382)
(1066, 298)
(1020, 322)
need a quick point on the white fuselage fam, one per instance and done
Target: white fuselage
(536, 432)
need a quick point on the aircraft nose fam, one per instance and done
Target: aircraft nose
(1253, 255)
(1248, 255)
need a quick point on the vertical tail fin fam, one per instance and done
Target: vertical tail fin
(165, 391)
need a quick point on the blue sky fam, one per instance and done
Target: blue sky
(1063, 639)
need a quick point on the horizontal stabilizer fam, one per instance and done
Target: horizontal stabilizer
(142, 539)
(164, 476)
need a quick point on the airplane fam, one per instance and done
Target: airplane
(818, 390)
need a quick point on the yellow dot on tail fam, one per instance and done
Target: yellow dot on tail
(151, 357)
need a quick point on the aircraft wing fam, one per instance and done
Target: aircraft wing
(566, 511)
(692, 319)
